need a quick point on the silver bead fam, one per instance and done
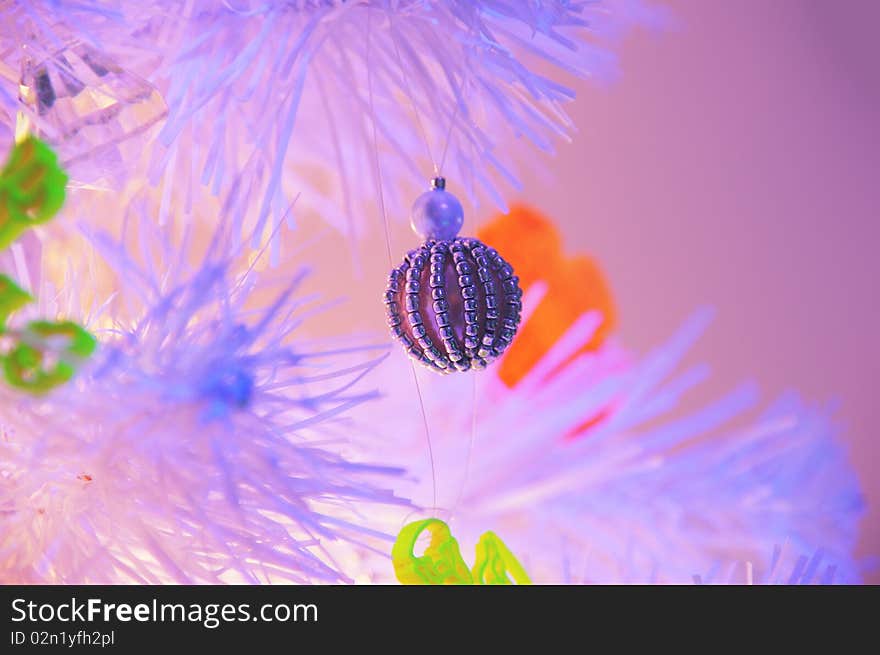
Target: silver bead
(437, 214)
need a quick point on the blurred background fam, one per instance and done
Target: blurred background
(735, 162)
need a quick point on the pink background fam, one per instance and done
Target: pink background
(734, 163)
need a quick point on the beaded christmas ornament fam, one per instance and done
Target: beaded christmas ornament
(454, 303)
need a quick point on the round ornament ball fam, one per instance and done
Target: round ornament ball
(454, 303)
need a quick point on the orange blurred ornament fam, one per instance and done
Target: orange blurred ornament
(575, 285)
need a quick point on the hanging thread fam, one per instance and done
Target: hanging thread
(378, 172)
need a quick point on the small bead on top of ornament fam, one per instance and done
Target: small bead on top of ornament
(454, 303)
(437, 214)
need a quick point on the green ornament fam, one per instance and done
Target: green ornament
(30, 366)
(12, 298)
(31, 188)
(442, 563)
(495, 564)
(45, 354)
